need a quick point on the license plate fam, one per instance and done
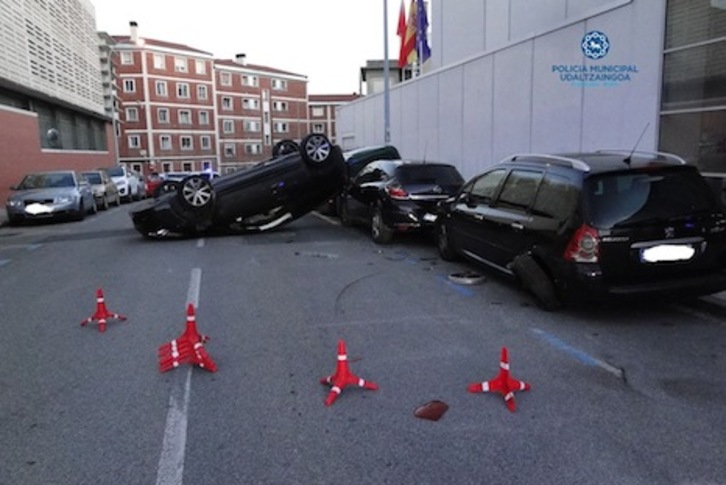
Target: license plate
(429, 217)
(667, 253)
(36, 209)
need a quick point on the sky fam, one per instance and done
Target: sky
(326, 40)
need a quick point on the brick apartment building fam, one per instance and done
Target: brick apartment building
(321, 112)
(182, 110)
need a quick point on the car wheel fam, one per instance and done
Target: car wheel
(381, 233)
(343, 212)
(537, 282)
(196, 192)
(444, 244)
(284, 147)
(316, 149)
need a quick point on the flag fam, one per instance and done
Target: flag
(422, 26)
(401, 32)
(408, 49)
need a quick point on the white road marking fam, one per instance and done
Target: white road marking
(171, 462)
(200, 243)
(317, 214)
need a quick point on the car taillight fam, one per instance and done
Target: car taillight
(397, 192)
(584, 246)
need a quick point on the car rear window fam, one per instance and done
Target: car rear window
(93, 177)
(428, 174)
(624, 198)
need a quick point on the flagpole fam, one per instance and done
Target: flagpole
(386, 80)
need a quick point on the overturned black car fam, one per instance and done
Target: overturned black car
(294, 182)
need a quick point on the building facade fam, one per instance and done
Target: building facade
(560, 76)
(322, 113)
(52, 113)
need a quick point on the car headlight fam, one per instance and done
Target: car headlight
(14, 203)
(63, 199)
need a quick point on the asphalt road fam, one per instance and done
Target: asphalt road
(620, 395)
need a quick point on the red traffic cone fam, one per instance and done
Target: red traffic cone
(344, 377)
(102, 314)
(188, 348)
(503, 383)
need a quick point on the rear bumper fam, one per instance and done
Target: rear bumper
(407, 216)
(587, 282)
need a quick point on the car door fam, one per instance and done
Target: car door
(508, 221)
(364, 190)
(467, 224)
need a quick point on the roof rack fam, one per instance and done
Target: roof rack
(668, 156)
(554, 159)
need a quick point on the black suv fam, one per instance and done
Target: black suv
(591, 226)
(397, 196)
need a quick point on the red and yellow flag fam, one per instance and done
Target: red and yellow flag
(408, 39)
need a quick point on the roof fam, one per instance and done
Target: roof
(126, 39)
(333, 98)
(604, 160)
(254, 67)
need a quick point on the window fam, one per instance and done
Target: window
(202, 92)
(159, 61)
(281, 128)
(279, 106)
(187, 143)
(187, 166)
(182, 90)
(251, 81)
(185, 117)
(250, 103)
(279, 84)
(165, 142)
(167, 167)
(227, 103)
(132, 114)
(228, 126)
(134, 141)
(205, 142)
(163, 115)
(252, 126)
(203, 117)
(180, 64)
(253, 148)
(161, 88)
(556, 198)
(519, 189)
(485, 187)
(129, 85)
(225, 78)
(229, 150)
(127, 58)
(318, 111)
(318, 128)
(200, 67)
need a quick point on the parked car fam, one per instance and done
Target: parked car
(397, 196)
(128, 185)
(103, 188)
(266, 196)
(355, 160)
(153, 182)
(591, 226)
(50, 195)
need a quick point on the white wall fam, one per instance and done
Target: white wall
(504, 99)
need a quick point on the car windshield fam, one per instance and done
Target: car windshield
(47, 180)
(93, 177)
(116, 172)
(625, 198)
(428, 174)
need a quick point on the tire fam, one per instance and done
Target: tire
(537, 282)
(444, 244)
(316, 149)
(343, 212)
(284, 147)
(196, 192)
(380, 232)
